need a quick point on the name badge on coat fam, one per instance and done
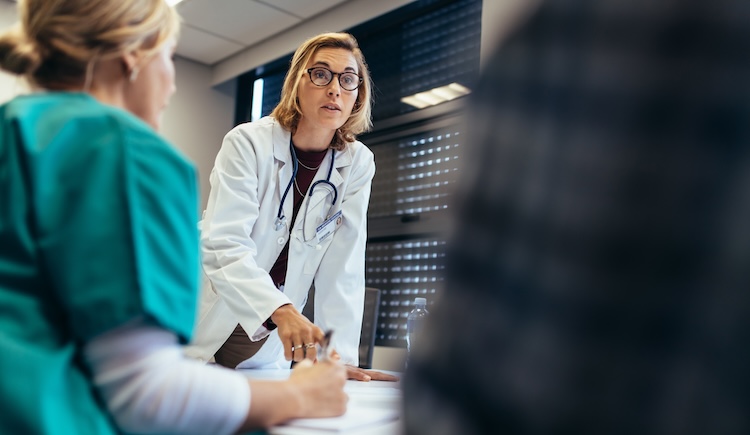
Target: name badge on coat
(329, 226)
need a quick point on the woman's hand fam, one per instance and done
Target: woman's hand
(298, 334)
(358, 374)
(320, 388)
(311, 391)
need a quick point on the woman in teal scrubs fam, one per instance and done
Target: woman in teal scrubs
(98, 240)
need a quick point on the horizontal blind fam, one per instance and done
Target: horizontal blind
(416, 173)
(403, 270)
(417, 169)
(434, 44)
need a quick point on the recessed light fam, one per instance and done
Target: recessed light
(436, 96)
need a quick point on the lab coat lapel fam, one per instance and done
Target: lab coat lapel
(283, 158)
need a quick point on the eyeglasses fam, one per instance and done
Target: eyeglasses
(323, 76)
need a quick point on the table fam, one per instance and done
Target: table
(378, 400)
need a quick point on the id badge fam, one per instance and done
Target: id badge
(329, 226)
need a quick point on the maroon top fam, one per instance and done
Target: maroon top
(311, 159)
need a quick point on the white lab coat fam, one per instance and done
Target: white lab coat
(240, 245)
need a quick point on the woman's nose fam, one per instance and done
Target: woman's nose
(334, 88)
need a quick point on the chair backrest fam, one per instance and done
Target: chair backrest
(369, 323)
(369, 326)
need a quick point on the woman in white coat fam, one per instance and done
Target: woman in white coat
(287, 209)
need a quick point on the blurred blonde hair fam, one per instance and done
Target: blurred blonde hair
(288, 111)
(58, 42)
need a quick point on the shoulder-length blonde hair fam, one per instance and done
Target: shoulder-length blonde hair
(58, 42)
(288, 111)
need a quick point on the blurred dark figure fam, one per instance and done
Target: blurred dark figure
(599, 275)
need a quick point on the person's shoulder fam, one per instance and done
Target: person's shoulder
(360, 158)
(54, 106)
(261, 134)
(46, 108)
(133, 129)
(107, 126)
(130, 131)
(263, 125)
(359, 151)
(77, 110)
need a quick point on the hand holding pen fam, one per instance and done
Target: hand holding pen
(298, 335)
(323, 353)
(326, 351)
(321, 385)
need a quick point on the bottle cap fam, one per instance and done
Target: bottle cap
(420, 301)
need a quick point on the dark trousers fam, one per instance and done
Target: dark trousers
(237, 348)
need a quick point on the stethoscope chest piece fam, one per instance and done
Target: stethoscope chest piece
(280, 222)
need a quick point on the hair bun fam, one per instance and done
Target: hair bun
(18, 55)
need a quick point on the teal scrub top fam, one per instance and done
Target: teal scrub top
(98, 225)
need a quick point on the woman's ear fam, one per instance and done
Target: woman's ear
(130, 64)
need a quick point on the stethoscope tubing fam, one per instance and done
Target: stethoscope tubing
(280, 218)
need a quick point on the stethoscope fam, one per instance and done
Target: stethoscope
(280, 218)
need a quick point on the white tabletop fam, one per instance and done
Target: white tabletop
(374, 408)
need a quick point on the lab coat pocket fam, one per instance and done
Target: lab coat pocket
(315, 255)
(314, 212)
(319, 221)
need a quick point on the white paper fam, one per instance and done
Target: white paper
(354, 417)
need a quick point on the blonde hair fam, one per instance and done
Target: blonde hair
(288, 111)
(58, 42)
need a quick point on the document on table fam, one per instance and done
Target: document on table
(354, 417)
(370, 404)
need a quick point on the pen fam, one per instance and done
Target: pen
(325, 346)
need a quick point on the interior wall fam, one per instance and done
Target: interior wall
(198, 117)
(10, 86)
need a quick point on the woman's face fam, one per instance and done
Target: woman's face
(150, 92)
(327, 107)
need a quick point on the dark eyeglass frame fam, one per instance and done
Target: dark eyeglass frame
(359, 82)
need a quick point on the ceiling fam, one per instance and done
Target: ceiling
(214, 30)
(234, 36)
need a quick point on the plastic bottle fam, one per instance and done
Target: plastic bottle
(415, 325)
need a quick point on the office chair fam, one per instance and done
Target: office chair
(369, 323)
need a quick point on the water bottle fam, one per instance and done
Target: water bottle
(415, 324)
